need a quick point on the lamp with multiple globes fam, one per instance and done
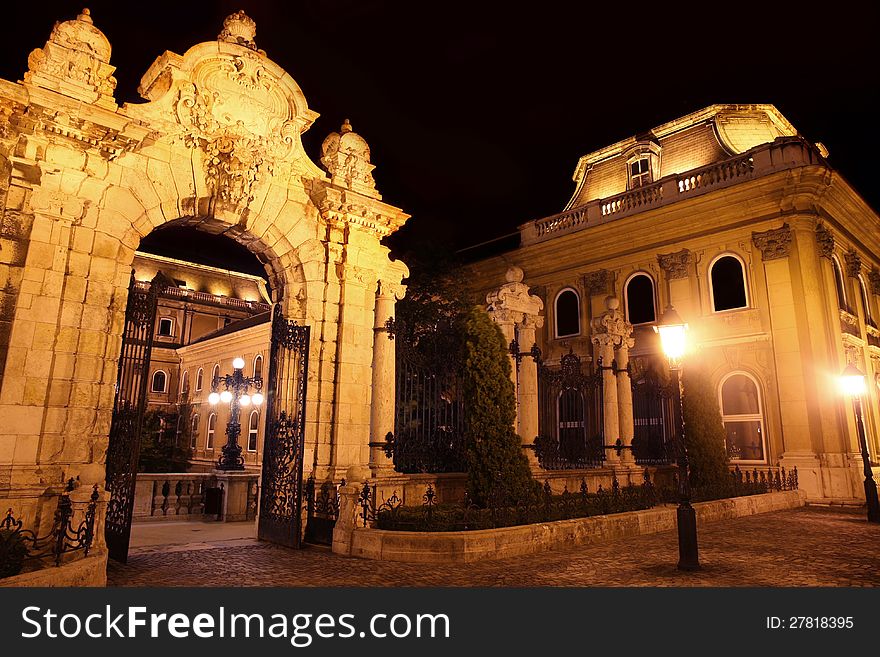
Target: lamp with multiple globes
(673, 339)
(852, 385)
(237, 393)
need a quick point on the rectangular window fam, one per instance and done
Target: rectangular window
(744, 440)
(166, 326)
(640, 173)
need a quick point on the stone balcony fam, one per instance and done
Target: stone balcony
(784, 153)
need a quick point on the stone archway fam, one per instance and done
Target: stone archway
(216, 144)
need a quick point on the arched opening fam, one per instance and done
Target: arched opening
(743, 418)
(253, 430)
(159, 381)
(866, 303)
(839, 284)
(727, 277)
(567, 311)
(258, 366)
(639, 296)
(212, 427)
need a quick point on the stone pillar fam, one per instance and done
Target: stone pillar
(624, 399)
(384, 377)
(611, 332)
(518, 314)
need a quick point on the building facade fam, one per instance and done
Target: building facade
(768, 254)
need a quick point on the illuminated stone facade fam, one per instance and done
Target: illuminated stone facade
(767, 253)
(216, 146)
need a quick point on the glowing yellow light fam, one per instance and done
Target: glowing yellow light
(213, 398)
(852, 381)
(673, 332)
(245, 400)
(225, 396)
(238, 363)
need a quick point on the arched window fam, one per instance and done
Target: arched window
(212, 425)
(215, 374)
(258, 367)
(639, 295)
(253, 428)
(839, 284)
(199, 380)
(184, 384)
(727, 277)
(194, 431)
(160, 380)
(866, 303)
(567, 313)
(743, 418)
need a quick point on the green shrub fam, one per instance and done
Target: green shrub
(162, 450)
(497, 467)
(704, 432)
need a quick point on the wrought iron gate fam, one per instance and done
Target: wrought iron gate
(128, 413)
(280, 516)
(570, 416)
(653, 419)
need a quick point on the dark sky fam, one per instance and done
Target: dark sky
(477, 112)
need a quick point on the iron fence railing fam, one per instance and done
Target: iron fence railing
(20, 547)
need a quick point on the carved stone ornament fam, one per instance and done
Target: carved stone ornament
(853, 263)
(825, 241)
(239, 28)
(774, 243)
(597, 282)
(75, 62)
(676, 265)
(346, 156)
(874, 280)
(512, 303)
(611, 327)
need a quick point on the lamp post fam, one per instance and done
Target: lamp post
(673, 332)
(236, 388)
(852, 384)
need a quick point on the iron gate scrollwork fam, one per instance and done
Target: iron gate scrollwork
(280, 516)
(128, 413)
(570, 420)
(653, 418)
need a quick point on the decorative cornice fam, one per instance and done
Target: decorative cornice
(597, 282)
(824, 240)
(774, 243)
(676, 265)
(853, 263)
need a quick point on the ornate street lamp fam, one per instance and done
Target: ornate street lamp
(673, 338)
(236, 392)
(852, 384)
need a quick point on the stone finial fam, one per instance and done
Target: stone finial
(611, 327)
(512, 303)
(676, 265)
(774, 243)
(75, 62)
(346, 156)
(824, 240)
(239, 28)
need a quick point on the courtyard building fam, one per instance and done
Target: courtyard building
(771, 257)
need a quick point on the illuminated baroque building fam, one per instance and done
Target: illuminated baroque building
(766, 251)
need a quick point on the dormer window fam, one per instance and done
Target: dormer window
(640, 173)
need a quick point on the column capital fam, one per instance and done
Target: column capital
(824, 240)
(853, 263)
(774, 243)
(611, 327)
(512, 303)
(675, 265)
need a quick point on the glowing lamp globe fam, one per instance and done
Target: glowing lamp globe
(852, 381)
(213, 398)
(245, 400)
(225, 396)
(238, 364)
(673, 332)
(257, 399)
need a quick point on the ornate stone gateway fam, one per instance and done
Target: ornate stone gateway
(281, 498)
(128, 414)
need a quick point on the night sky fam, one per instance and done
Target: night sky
(476, 113)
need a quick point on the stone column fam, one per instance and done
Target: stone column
(518, 314)
(611, 332)
(384, 377)
(624, 399)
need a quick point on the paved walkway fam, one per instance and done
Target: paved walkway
(804, 547)
(177, 535)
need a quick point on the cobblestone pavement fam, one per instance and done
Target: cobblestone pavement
(803, 547)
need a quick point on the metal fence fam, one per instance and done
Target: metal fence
(21, 548)
(653, 417)
(570, 420)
